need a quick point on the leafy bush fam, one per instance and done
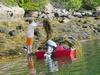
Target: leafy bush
(9, 2)
(32, 4)
(68, 4)
(74, 4)
(90, 4)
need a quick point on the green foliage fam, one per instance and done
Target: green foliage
(9, 2)
(90, 4)
(74, 4)
(32, 4)
(68, 4)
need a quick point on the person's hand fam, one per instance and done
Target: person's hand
(39, 23)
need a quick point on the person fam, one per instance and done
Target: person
(48, 31)
(29, 42)
(30, 34)
(52, 64)
(50, 46)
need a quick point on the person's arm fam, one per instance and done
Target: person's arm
(39, 23)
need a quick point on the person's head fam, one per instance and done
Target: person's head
(30, 21)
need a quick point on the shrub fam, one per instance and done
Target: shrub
(74, 4)
(90, 4)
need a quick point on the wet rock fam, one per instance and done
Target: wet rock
(19, 27)
(98, 9)
(77, 14)
(12, 52)
(97, 28)
(84, 26)
(56, 15)
(87, 13)
(48, 8)
(12, 33)
(3, 30)
(36, 33)
(3, 54)
(98, 25)
(84, 22)
(50, 16)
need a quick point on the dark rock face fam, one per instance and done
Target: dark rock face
(84, 26)
(12, 33)
(19, 27)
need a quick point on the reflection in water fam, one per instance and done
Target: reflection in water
(87, 64)
(54, 64)
(63, 61)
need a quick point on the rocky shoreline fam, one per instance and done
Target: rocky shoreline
(12, 35)
(79, 25)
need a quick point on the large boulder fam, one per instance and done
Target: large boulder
(98, 9)
(11, 12)
(17, 12)
(5, 12)
(48, 8)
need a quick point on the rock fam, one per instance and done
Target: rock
(35, 14)
(48, 8)
(84, 35)
(19, 27)
(98, 9)
(97, 28)
(87, 13)
(96, 18)
(56, 15)
(12, 33)
(50, 16)
(66, 20)
(9, 12)
(84, 22)
(3, 30)
(36, 33)
(84, 26)
(42, 15)
(18, 12)
(2, 54)
(12, 52)
(70, 16)
(77, 14)
(5, 12)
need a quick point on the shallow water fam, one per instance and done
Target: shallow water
(88, 63)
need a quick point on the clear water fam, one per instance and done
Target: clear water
(88, 63)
